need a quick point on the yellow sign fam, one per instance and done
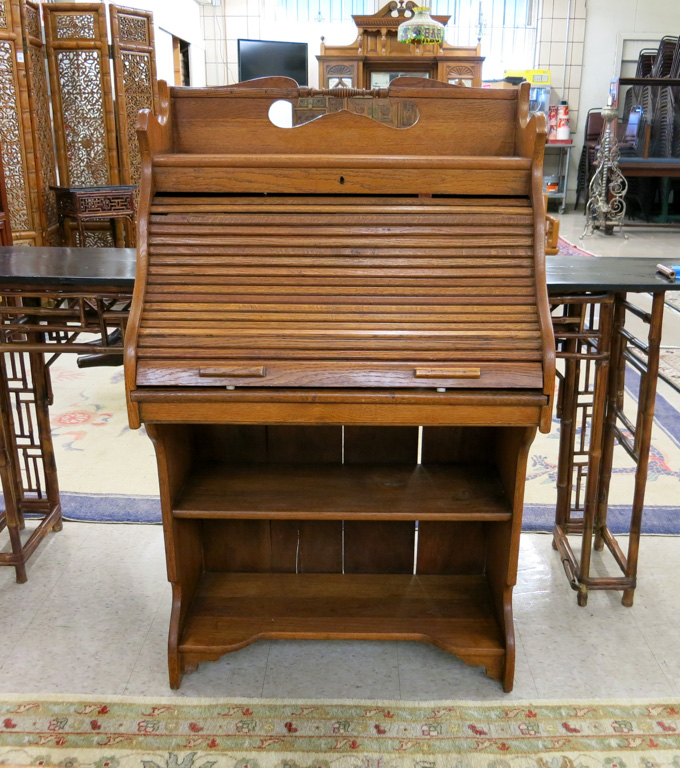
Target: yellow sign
(538, 77)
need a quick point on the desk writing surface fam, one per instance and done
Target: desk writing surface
(116, 267)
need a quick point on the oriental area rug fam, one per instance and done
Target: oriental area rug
(565, 248)
(116, 732)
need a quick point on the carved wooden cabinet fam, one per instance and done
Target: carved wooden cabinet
(340, 345)
(376, 57)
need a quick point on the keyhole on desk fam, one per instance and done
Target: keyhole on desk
(342, 179)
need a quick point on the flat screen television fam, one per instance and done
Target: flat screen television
(266, 58)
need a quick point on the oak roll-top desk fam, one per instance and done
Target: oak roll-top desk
(323, 357)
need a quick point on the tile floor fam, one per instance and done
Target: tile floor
(93, 617)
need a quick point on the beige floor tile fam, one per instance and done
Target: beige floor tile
(90, 624)
(426, 672)
(239, 674)
(332, 669)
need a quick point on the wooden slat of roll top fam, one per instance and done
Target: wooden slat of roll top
(208, 221)
(427, 237)
(270, 270)
(217, 265)
(372, 216)
(334, 291)
(163, 263)
(159, 345)
(437, 206)
(246, 323)
(323, 204)
(353, 240)
(339, 292)
(336, 352)
(206, 292)
(222, 306)
(211, 253)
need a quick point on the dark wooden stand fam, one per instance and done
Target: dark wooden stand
(85, 204)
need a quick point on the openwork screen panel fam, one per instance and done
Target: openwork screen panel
(82, 102)
(134, 66)
(84, 123)
(76, 26)
(43, 141)
(15, 135)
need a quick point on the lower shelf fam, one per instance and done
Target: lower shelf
(345, 491)
(232, 610)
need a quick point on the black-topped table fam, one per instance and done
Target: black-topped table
(603, 273)
(68, 266)
(116, 267)
(49, 297)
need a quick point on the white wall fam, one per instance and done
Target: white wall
(181, 18)
(224, 25)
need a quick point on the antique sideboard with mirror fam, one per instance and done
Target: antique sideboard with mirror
(375, 58)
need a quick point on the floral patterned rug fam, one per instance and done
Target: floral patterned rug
(117, 732)
(565, 248)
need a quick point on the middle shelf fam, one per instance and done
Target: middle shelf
(343, 491)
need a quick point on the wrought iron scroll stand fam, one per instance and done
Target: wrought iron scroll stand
(606, 206)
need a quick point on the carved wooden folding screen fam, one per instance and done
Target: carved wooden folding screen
(15, 130)
(82, 102)
(134, 67)
(43, 142)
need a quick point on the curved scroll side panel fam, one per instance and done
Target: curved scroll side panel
(530, 143)
(154, 134)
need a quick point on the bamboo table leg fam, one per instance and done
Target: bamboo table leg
(584, 336)
(27, 466)
(638, 445)
(567, 416)
(10, 518)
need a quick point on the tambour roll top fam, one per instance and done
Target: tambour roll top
(344, 252)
